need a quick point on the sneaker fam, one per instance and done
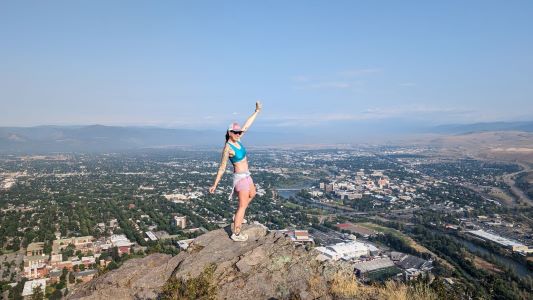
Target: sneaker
(242, 237)
(244, 221)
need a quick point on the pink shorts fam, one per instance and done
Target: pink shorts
(244, 184)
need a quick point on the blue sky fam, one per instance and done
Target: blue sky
(203, 64)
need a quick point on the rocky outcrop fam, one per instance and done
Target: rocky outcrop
(136, 279)
(267, 266)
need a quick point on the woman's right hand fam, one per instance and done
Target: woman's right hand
(212, 189)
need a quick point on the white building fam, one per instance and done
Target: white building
(184, 244)
(514, 246)
(29, 286)
(180, 222)
(119, 240)
(344, 251)
(151, 236)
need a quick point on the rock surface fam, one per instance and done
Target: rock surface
(267, 266)
(136, 279)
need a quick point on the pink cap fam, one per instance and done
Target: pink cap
(234, 126)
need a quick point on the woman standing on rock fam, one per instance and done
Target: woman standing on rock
(242, 181)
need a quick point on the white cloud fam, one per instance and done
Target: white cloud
(359, 72)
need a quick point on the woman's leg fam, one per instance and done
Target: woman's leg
(246, 193)
(251, 193)
(244, 199)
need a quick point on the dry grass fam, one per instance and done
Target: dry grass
(317, 287)
(345, 286)
(393, 290)
(421, 292)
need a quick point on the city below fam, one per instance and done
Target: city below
(392, 213)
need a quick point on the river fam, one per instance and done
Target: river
(520, 269)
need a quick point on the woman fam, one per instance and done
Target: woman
(242, 181)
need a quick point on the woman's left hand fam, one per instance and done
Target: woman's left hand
(258, 106)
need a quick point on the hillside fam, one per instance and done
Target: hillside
(267, 266)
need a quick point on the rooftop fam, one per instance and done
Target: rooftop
(35, 246)
(375, 264)
(494, 238)
(30, 285)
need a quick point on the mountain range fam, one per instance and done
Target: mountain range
(100, 138)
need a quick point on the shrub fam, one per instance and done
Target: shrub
(200, 287)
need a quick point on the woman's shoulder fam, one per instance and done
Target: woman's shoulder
(228, 147)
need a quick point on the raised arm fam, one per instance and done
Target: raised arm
(221, 168)
(251, 119)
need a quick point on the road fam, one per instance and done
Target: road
(517, 192)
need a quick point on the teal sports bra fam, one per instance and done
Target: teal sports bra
(240, 154)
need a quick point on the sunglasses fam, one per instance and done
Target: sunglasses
(236, 132)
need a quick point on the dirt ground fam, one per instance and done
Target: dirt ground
(480, 263)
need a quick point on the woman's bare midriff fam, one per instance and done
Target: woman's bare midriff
(241, 166)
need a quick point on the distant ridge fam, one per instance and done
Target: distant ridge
(479, 127)
(101, 138)
(97, 138)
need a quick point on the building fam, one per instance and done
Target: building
(29, 287)
(64, 264)
(345, 251)
(298, 236)
(413, 266)
(35, 249)
(151, 236)
(176, 198)
(316, 193)
(184, 244)
(113, 223)
(382, 182)
(180, 221)
(161, 234)
(377, 173)
(364, 267)
(121, 242)
(82, 243)
(506, 243)
(88, 260)
(35, 266)
(56, 258)
(302, 236)
(86, 275)
(54, 276)
(355, 196)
